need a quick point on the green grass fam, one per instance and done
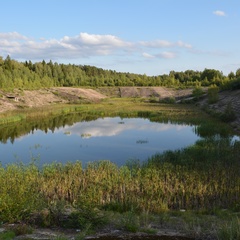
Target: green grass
(9, 235)
(229, 230)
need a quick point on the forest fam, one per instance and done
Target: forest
(28, 75)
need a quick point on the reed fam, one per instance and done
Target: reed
(204, 177)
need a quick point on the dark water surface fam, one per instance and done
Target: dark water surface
(115, 139)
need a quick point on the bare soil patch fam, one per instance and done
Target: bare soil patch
(226, 99)
(145, 92)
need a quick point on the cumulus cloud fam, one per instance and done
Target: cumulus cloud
(219, 13)
(84, 45)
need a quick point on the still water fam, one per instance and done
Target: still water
(116, 139)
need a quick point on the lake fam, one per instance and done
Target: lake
(111, 138)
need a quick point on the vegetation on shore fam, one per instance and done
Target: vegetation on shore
(203, 178)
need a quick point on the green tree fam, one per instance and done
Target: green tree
(238, 73)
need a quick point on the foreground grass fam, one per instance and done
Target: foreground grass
(222, 225)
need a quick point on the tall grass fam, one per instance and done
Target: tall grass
(203, 177)
(230, 231)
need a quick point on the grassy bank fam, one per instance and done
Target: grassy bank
(111, 106)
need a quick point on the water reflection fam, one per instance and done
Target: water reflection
(115, 126)
(116, 139)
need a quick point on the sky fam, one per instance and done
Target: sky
(151, 37)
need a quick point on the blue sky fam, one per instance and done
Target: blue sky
(138, 36)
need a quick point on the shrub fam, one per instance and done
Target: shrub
(213, 94)
(197, 92)
(236, 84)
(130, 221)
(168, 100)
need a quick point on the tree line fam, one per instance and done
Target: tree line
(28, 75)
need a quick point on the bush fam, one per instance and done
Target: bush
(213, 94)
(236, 84)
(130, 221)
(168, 100)
(86, 217)
(197, 92)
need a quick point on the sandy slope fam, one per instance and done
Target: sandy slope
(44, 97)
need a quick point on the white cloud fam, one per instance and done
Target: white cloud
(92, 39)
(84, 45)
(165, 44)
(156, 44)
(219, 13)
